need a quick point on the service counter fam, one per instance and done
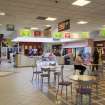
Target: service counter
(24, 61)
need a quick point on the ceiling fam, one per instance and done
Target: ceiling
(23, 13)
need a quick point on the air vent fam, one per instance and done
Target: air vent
(41, 18)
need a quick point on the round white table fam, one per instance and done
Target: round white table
(82, 77)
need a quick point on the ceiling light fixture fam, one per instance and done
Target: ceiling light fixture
(48, 25)
(0, 24)
(82, 22)
(34, 28)
(2, 13)
(50, 19)
(81, 2)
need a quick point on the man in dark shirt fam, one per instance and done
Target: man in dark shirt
(95, 59)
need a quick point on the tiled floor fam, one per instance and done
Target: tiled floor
(18, 89)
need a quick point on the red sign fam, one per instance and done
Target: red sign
(37, 33)
(67, 35)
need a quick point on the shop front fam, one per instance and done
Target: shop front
(72, 49)
(100, 45)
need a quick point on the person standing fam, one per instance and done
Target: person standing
(78, 64)
(95, 59)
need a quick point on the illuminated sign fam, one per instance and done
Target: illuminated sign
(25, 32)
(64, 25)
(57, 35)
(84, 34)
(102, 32)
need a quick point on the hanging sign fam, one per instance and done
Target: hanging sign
(64, 25)
(102, 32)
(57, 36)
(25, 32)
(37, 33)
(84, 34)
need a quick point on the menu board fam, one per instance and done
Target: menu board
(64, 25)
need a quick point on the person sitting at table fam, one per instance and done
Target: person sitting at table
(95, 59)
(78, 64)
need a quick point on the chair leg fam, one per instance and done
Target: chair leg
(96, 89)
(32, 76)
(61, 89)
(38, 77)
(90, 99)
(71, 90)
(57, 91)
(81, 103)
(58, 78)
(66, 93)
(48, 80)
(42, 81)
(55, 78)
(77, 98)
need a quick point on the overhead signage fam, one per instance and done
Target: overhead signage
(10, 27)
(37, 33)
(25, 32)
(84, 34)
(102, 32)
(67, 35)
(57, 36)
(99, 43)
(64, 25)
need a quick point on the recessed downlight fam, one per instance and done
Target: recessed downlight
(34, 28)
(81, 2)
(2, 13)
(82, 22)
(50, 19)
(48, 25)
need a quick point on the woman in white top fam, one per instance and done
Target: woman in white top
(78, 64)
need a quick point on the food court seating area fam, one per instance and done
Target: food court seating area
(73, 93)
(24, 88)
